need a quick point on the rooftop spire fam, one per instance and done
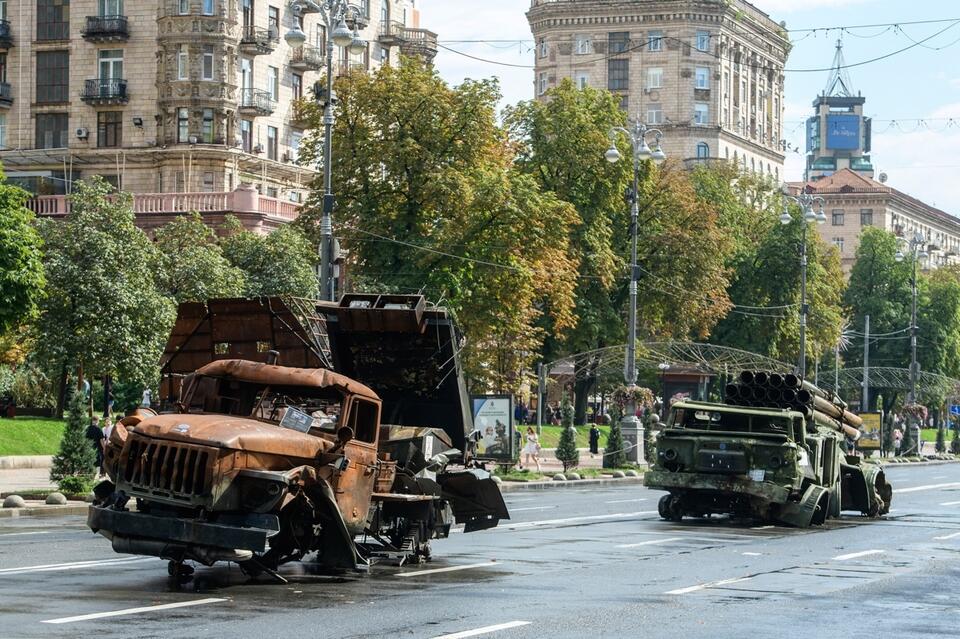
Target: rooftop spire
(839, 84)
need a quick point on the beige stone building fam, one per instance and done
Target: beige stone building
(188, 104)
(709, 73)
(853, 201)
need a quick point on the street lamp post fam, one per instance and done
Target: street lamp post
(335, 14)
(631, 426)
(917, 246)
(806, 202)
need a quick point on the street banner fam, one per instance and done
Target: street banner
(493, 417)
(870, 440)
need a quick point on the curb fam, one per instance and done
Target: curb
(19, 462)
(44, 511)
(519, 486)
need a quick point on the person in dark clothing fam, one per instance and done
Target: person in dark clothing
(95, 435)
(594, 439)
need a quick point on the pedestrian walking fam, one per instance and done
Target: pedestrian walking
(594, 440)
(95, 435)
(108, 409)
(897, 440)
(532, 449)
(145, 400)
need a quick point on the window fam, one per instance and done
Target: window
(109, 125)
(246, 7)
(183, 62)
(654, 78)
(208, 7)
(655, 41)
(3, 131)
(246, 135)
(273, 21)
(111, 66)
(365, 7)
(271, 143)
(296, 138)
(581, 79)
(51, 130)
(206, 132)
(321, 38)
(183, 125)
(110, 8)
(364, 420)
(208, 62)
(53, 76)
(179, 184)
(297, 86)
(542, 84)
(838, 242)
(654, 114)
(183, 7)
(625, 102)
(542, 47)
(618, 75)
(702, 78)
(866, 217)
(703, 150)
(584, 45)
(384, 12)
(53, 19)
(703, 41)
(208, 182)
(618, 41)
(273, 82)
(837, 217)
(701, 113)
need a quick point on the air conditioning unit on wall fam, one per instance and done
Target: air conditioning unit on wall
(82, 133)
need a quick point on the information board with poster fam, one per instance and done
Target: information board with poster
(493, 417)
(872, 435)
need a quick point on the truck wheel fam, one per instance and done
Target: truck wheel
(836, 496)
(663, 506)
(670, 507)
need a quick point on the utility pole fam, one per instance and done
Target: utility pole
(866, 364)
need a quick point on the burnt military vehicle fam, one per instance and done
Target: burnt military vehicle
(299, 428)
(775, 451)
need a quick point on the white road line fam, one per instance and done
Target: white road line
(950, 503)
(712, 584)
(136, 611)
(914, 489)
(434, 571)
(855, 555)
(624, 501)
(77, 565)
(570, 520)
(652, 542)
(38, 532)
(950, 536)
(762, 527)
(752, 554)
(484, 630)
(517, 510)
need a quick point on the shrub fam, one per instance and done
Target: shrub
(76, 457)
(74, 485)
(567, 446)
(941, 446)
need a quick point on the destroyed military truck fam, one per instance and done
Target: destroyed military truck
(774, 451)
(296, 427)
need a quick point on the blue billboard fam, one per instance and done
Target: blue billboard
(843, 132)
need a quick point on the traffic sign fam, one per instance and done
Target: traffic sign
(954, 409)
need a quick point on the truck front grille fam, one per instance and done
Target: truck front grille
(168, 469)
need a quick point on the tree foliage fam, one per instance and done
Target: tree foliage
(280, 263)
(76, 457)
(21, 259)
(567, 451)
(102, 309)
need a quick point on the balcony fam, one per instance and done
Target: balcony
(106, 91)
(6, 95)
(307, 58)
(6, 35)
(418, 43)
(106, 29)
(256, 102)
(258, 40)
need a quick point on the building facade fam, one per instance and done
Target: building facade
(709, 73)
(187, 104)
(853, 202)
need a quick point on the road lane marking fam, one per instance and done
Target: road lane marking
(136, 611)
(856, 555)
(914, 489)
(762, 527)
(752, 554)
(77, 565)
(485, 630)
(517, 510)
(624, 501)
(652, 542)
(950, 503)
(39, 532)
(433, 571)
(570, 520)
(950, 536)
(711, 584)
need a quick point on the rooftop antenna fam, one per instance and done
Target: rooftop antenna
(839, 84)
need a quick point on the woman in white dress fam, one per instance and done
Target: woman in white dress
(532, 448)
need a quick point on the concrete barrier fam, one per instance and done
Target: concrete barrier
(17, 462)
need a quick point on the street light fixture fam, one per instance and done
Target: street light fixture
(806, 202)
(641, 152)
(335, 14)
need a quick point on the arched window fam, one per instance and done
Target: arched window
(703, 150)
(384, 11)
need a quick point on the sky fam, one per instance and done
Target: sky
(913, 96)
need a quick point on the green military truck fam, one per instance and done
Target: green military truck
(775, 451)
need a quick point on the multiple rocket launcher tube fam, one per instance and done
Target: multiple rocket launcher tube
(758, 389)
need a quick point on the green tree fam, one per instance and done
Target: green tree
(191, 266)
(103, 312)
(280, 263)
(907, 442)
(614, 455)
(941, 445)
(567, 451)
(429, 202)
(938, 322)
(21, 259)
(76, 459)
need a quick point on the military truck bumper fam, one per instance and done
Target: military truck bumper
(672, 482)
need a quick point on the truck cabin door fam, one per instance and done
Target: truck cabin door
(356, 482)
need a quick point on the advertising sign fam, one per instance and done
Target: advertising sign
(843, 132)
(870, 440)
(493, 417)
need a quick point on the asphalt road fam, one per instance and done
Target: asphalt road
(570, 563)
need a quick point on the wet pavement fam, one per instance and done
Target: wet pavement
(571, 563)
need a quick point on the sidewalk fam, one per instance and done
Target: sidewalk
(12, 480)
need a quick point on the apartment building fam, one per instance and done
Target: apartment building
(708, 73)
(188, 104)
